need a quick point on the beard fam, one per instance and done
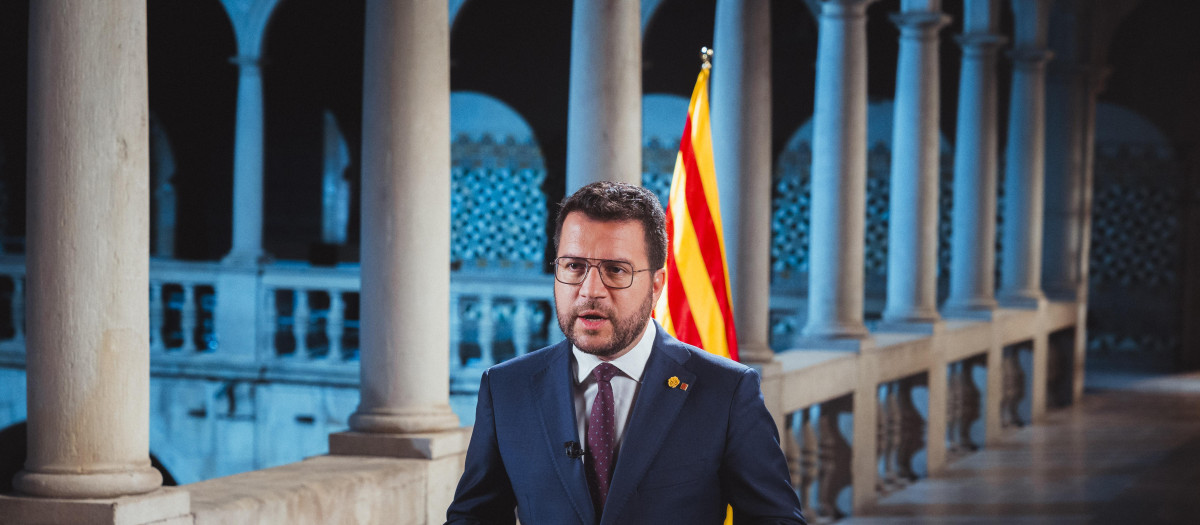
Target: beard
(625, 330)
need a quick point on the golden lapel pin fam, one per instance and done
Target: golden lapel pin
(674, 382)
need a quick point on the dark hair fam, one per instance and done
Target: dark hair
(618, 201)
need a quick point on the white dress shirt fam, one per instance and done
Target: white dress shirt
(624, 385)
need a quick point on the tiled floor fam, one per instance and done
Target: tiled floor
(1129, 453)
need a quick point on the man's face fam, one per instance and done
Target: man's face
(599, 320)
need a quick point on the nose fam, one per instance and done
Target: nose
(592, 285)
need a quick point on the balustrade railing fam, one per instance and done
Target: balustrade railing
(819, 456)
(963, 407)
(853, 423)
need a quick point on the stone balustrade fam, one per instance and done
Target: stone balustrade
(919, 397)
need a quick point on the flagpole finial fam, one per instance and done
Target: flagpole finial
(706, 54)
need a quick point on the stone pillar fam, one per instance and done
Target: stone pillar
(248, 165)
(405, 220)
(1068, 90)
(604, 126)
(839, 174)
(741, 118)
(88, 363)
(88, 262)
(913, 222)
(1021, 270)
(973, 242)
(405, 372)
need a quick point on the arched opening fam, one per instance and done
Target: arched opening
(498, 210)
(193, 94)
(519, 53)
(312, 96)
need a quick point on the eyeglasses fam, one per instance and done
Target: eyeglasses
(614, 274)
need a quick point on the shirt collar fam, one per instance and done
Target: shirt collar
(632, 364)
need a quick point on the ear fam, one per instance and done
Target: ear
(659, 282)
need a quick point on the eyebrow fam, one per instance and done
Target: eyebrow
(626, 261)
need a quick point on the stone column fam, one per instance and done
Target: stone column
(913, 224)
(839, 174)
(88, 261)
(405, 219)
(248, 165)
(88, 363)
(741, 118)
(249, 19)
(973, 242)
(1021, 270)
(604, 126)
(1068, 87)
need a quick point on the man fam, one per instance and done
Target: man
(620, 423)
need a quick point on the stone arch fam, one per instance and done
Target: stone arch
(1139, 241)
(193, 93)
(312, 67)
(499, 212)
(520, 53)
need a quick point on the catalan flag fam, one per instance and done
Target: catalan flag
(696, 305)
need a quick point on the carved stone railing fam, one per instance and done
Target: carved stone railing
(863, 420)
(819, 457)
(963, 406)
(849, 419)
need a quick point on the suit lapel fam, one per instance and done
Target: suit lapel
(556, 401)
(653, 416)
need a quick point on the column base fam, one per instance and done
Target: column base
(896, 317)
(1022, 299)
(921, 326)
(165, 506)
(441, 454)
(825, 343)
(974, 309)
(838, 330)
(426, 445)
(749, 352)
(88, 485)
(404, 421)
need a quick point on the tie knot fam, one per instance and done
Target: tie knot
(604, 372)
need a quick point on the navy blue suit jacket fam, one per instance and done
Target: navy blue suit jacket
(684, 456)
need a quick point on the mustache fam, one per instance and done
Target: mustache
(591, 304)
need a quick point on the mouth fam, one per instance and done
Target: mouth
(591, 319)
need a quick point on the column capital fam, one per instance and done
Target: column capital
(844, 8)
(919, 24)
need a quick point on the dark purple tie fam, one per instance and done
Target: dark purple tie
(601, 435)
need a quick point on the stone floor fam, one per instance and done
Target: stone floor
(1129, 453)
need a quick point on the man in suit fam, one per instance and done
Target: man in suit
(620, 423)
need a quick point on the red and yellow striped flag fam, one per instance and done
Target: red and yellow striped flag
(696, 305)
